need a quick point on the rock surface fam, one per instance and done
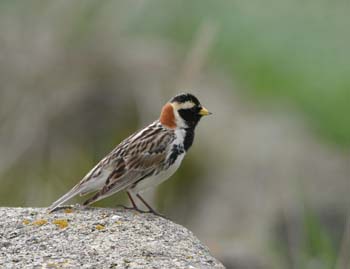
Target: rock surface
(97, 238)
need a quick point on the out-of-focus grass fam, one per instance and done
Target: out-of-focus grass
(290, 51)
(307, 241)
(279, 51)
(318, 250)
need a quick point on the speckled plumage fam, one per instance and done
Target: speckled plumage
(147, 157)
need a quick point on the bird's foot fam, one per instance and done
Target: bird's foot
(142, 211)
(156, 213)
(126, 207)
(132, 208)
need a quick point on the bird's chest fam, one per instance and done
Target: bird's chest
(162, 175)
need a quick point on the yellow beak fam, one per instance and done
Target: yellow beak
(204, 112)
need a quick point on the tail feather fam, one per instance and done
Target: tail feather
(73, 192)
(105, 192)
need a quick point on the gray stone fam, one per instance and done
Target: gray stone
(97, 238)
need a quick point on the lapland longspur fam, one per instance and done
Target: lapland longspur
(146, 158)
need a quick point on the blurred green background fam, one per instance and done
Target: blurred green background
(266, 184)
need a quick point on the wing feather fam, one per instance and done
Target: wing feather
(138, 156)
(142, 157)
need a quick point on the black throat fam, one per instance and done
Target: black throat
(189, 136)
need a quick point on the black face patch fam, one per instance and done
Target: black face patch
(185, 97)
(190, 115)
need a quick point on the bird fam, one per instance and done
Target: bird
(144, 159)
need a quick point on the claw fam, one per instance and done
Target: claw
(126, 207)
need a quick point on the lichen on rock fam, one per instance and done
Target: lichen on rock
(97, 238)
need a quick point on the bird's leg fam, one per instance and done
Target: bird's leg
(151, 210)
(134, 206)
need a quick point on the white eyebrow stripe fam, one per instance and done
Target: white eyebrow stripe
(185, 105)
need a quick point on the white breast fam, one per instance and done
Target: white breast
(159, 178)
(155, 180)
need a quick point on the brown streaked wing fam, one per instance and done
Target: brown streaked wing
(142, 157)
(122, 150)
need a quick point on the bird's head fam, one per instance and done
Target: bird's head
(182, 111)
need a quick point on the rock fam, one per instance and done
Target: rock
(97, 238)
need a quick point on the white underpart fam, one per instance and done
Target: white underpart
(164, 175)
